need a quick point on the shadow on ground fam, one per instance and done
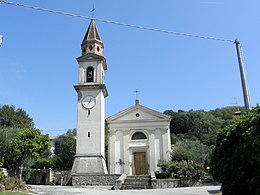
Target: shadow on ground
(214, 191)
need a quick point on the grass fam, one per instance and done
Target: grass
(12, 193)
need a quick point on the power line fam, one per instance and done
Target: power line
(236, 42)
(117, 23)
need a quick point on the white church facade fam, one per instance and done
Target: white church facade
(139, 137)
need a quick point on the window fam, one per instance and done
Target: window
(138, 135)
(90, 74)
(84, 49)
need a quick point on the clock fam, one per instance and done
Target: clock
(88, 102)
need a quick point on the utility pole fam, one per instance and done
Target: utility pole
(243, 75)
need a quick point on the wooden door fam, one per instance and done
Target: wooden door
(140, 163)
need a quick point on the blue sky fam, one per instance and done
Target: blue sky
(38, 67)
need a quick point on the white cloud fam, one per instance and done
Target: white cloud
(1, 39)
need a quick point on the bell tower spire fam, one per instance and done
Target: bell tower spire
(92, 42)
(91, 91)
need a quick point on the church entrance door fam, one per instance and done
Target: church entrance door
(140, 163)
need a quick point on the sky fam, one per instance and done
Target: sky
(38, 68)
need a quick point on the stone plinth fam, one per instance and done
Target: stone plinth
(89, 165)
(94, 180)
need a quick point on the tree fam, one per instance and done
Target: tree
(194, 125)
(180, 122)
(191, 150)
(16, 118)
(227, 113)
(236, 157)
(7, 135)
(29, 143)
(65, 150)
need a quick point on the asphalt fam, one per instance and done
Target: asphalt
(101, 190)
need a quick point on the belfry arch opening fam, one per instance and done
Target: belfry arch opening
(90, 74)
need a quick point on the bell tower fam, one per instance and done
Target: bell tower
(91, 91)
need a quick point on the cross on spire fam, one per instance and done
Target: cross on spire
(93, 11)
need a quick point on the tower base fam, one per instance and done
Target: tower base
(89, 165)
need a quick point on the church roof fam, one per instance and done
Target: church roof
(137, 113)
(92, 32)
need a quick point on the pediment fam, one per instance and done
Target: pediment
(93, 57)
(138, 113)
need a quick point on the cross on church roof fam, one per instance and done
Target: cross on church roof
(136, 93)
(93, 11)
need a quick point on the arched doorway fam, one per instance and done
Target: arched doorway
(139, 155)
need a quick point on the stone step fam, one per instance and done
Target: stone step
(209, 181)
(136, 182)
(138, 177)
(130, 180)
(135, 187)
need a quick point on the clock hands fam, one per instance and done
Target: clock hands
(88, 102)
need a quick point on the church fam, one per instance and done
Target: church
(138, 137)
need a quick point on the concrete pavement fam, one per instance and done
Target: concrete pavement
(102, 190)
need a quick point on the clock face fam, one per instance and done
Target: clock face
(88, 102)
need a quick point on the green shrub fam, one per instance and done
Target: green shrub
(2, 177)
(13, 183)
(236, 157)
(168, 166)
(182, 169)
(189, 169)
(162, 175)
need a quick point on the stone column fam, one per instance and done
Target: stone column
(126, 153)
(111, 151)
(152, 152)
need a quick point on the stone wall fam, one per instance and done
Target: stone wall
(39, 177)
(95, 180)
(48, 176)
(165, 183)
(174, 183)
(62, 178)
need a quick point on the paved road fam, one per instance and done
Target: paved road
(97, 190)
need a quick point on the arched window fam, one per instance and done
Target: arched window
(90, 74)
(138, 135)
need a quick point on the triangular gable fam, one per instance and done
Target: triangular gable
(138, 113)
(94, 57)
